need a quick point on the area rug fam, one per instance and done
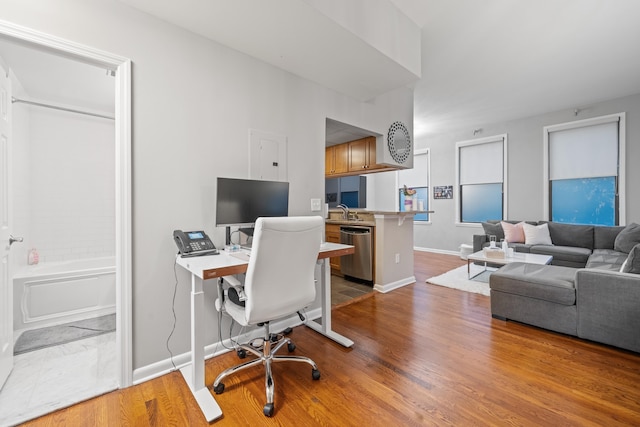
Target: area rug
(457, 279)
(37, 339)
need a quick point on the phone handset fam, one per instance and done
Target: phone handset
(193, 243)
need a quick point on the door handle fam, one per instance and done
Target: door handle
(12, 239)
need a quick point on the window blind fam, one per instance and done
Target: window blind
(481, 163)
(416, 177)
(584, 152)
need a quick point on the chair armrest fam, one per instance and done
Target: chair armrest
(478, 241)
(233, 281)
(608, 304)
(238, 286)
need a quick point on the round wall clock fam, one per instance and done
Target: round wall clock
(399, 142)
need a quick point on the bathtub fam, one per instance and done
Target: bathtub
(53, 293)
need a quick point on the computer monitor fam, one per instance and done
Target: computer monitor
(239, 202)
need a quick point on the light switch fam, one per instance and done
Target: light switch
(315, 205)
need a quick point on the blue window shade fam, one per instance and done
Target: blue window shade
(589, 201)
(481, 202)
(422, 193)
(350, 199)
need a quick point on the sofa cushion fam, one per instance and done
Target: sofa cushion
(493, 229)
(606, 259)
(627, 238)
(544, 282)
(574, 256)
(604, 237)
(536, 234)
(513, 233)
(571, 235)
(632, 263)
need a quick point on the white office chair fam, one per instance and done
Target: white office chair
(279, 282)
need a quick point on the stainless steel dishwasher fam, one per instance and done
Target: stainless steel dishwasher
(360, 263)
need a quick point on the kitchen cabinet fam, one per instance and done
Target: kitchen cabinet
(356, 157)
(332, 235)
(362, 155)
(336, 159)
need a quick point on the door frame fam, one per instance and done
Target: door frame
(123, 218)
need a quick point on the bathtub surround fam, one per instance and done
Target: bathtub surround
(67, 206)
(38, 339)
(51, 294)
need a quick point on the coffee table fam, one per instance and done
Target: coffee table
(516, 257)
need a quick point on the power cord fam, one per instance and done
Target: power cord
(173, 310)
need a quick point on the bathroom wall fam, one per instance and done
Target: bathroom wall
(65, 203)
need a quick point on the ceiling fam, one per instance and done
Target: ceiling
(483, 61)
(489, 61)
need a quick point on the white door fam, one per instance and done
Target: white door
(6, 287)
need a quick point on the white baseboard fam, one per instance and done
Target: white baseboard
(165, 366)
(436, 251)
(394, 285)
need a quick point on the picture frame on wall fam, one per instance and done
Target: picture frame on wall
(443, 192)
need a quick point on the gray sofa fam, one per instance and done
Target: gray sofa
(583, 292)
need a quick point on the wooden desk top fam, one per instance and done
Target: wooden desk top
(225, 264)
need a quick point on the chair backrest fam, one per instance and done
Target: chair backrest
(280, 275)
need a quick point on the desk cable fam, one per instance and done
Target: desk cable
(173, 310)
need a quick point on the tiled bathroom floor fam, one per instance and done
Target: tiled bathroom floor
(45, 380)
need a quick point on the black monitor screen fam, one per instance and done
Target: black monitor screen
(242, 201)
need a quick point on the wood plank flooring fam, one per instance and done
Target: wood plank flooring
(423, 355)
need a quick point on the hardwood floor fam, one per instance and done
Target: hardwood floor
(423, 355)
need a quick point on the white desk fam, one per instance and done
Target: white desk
(214, 266)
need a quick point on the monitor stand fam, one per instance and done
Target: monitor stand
(249, 233)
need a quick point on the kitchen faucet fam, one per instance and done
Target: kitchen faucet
(345, 211)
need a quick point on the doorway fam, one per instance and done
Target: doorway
(119, 71)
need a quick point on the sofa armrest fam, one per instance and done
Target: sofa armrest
(478, 241)
(608, 304)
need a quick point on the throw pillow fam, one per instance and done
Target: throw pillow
(536, 234)
(627, 238)
(632, 264)
(513, 233)
(491, 229)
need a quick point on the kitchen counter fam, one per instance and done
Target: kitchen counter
(392, 243)
(366, 217)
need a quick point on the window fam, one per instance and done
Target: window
(416, 179)
(583, 171)
(481, 179)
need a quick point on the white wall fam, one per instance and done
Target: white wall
(525, 169)
(72, 185)
(193, 104)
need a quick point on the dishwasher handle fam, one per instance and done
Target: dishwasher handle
(355, 230)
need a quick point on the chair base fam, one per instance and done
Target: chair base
(266, 357)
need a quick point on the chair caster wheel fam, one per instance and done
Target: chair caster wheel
(315, 374)
(218, 389)
(268, 410)
(241, 352)
(291, 347)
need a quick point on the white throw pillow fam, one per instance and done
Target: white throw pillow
(536, 234)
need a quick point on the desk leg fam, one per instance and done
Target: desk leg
(194, 373)
(325, 291)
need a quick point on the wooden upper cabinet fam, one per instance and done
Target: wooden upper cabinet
(362, 154)
(336, 159)
(352, 158)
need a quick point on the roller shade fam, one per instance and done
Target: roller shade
(482, 163)
(416, 177)
(584, 152)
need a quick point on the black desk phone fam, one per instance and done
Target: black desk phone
(193, 243)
